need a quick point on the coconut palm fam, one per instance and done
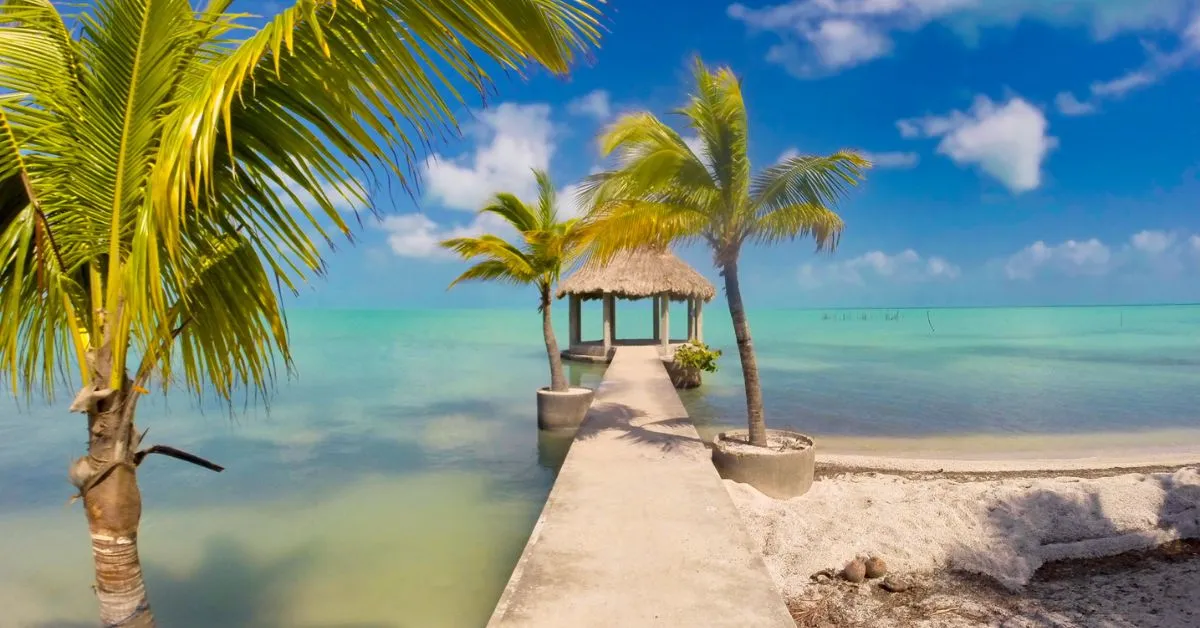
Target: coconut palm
(154, 165)
(547, 245)
(667, 188)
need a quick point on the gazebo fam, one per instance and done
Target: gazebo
(638, 274)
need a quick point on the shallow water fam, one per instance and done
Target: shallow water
(395, 481)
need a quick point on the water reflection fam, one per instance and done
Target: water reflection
(553, 447)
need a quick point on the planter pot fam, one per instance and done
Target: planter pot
(783, 469)
(682, 376)
(563, 410)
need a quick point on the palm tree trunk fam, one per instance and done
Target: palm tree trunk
(113, 506)
(741, 331)
(558, 379)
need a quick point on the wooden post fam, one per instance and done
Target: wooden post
(691, 320)
(576, 333)
(654, 316)
(608, 323)
(664, 320)
(699, 320)
(615, 336)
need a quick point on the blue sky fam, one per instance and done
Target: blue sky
(1029, 151)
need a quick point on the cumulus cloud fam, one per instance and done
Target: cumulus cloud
(1007, 141)
(512, 140)
(596, 104)
(818, 37)
(1152, 242)
(1068, 105)
(1088, 257)
(904, 267)
(418, 236)
(1148, 252)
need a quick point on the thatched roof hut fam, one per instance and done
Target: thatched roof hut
(639, 274)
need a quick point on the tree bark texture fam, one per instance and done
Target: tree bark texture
(112, 502)
(741, 330)
(558, 379)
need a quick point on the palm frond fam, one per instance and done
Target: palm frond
(182, 172)
(820, 180)
(547, 200)
(514, 211)
(493, 270)
(717, 112)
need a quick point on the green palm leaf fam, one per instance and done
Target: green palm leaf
(663, 192)
(170, 153)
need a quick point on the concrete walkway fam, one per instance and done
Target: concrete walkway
(638, 529)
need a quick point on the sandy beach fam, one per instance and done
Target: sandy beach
(980, 537)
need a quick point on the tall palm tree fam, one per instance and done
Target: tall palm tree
(667, 188)
(547, 245)
(153, 158)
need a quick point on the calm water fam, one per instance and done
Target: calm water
(394, 482)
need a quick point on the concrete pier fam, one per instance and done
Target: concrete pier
(638, 529)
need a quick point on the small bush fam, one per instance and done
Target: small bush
(697, 355)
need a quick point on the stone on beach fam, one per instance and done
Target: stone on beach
(854, 571)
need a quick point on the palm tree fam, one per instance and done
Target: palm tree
(153, 158)
(548, 244)
(667, 188)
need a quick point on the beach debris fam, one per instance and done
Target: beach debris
(876, 568)
(895, 584)
(823, 576)
(855, 571)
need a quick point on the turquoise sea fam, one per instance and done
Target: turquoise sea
(395, 479)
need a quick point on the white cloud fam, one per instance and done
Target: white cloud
(1008, 142)
(1152, 242)
(417, 236)
(1192, 35)
(893, 159)
(817, 37)
(1123, 85)
(904, 267)
(790, 153)
(847, 43)
(568, 202)
(1089, 257)
(513, 140)
(1068, 105)
(596, 104)
(1149, 253)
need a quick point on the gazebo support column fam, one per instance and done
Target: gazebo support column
(576, 334)
(654, 316)
(691, 320)
(608, 323)
(699, 320)
(664, 321)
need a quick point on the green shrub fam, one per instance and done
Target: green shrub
(696, 354)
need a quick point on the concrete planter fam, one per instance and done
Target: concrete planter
(683, 377)
(563, 410)
(784, 469)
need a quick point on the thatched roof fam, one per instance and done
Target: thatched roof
(639, 274)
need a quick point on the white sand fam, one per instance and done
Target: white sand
(1004, 529)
